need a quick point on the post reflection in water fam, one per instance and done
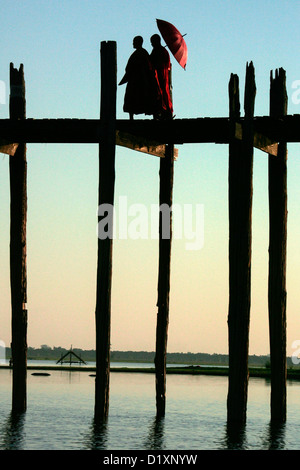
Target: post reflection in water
(13, 435)
(98, 436)
(155, 440)
(275, 439)
(235, 436)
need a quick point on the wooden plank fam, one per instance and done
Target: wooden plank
(277, 255)
(51, 131)
(123, 139)
(285, 128)
(265, 144)
(105, 244)
(140, 144)
(261, 142)
(7, 147)
(177, 131)
(18, 270)
(240, 233)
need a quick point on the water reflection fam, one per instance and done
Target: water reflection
(155, 439)
(235, 437)
(98, 436)
(13, 435)
(275, 436)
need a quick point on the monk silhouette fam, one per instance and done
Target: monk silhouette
(142, 93)
(161, 64)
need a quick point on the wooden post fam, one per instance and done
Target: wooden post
(166, 176)
(165, 240)
(105, 244)
(240, 215)
(277, 254)
(18, 274)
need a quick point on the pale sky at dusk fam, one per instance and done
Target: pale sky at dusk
(59, 44)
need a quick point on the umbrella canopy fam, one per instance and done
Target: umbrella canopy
(174, 41)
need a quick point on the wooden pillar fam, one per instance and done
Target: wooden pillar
(240, 231)
(277, 254)
(18, 218)
(105, 243)
(165, 240)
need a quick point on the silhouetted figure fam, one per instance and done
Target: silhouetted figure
(142, 92)
(161, 63)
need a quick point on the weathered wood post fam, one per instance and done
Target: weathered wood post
(105, 218)
(18, 272)
(166, 177)
(164, 267)
(277, 254)
(240, 232)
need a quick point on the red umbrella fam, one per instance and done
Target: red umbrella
(174, 41)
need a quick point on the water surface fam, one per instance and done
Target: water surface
(60, 411)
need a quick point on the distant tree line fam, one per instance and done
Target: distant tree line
(48, 353)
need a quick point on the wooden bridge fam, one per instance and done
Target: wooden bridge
(242, 133)
(267, 132)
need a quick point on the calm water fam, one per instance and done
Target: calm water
(61, 406)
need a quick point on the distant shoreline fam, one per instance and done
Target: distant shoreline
(216, 359)
(260, 372)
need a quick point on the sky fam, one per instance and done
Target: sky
(58, 42)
